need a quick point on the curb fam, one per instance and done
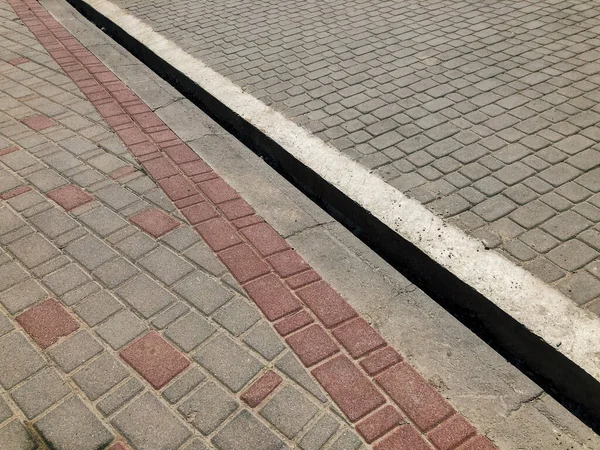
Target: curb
(556, 373)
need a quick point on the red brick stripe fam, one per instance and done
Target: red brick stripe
(261, 389)
(317, 322)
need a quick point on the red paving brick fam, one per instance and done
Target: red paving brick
(6, 151)
(180, 153)
(379, 423)
(478, 443)
(261, 388)
(218, 234)
(312, 345)
(415, 396)
(118, 446)
(122, 172)
(155, 359)
(328, 305)
(46, 322)
(195, 167)
(177, 187)
(287, 263)
(38, 122)
(70, 196)
(243, 263)
(160, 168)
(303, 279)
(218, 191)
(154, 222)
(358, 337)
(349, 388)
(404, 438)
(265, 239)
(380, 360)
(17, 61)
(272, 297)
(14, 192)
(236, 209)
(199, 212)
(451, 432)
(293, 322)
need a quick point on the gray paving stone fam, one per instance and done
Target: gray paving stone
(14, 436)
(165, 265)
(121, 329)
(183, 384)
(148, 424)
(571, 255)
(208, 407)
(53, 222)
(100, 375)
(66, 279)
(22, 296)
(566, 225)
(145, 295)
(8, 181)
(72, 426)
(74, 351)
(33, 250)
(317, 435)
(181, 238)
(237, 316)
(289, 411)
(170, 315)
(117, 197)
(245, 432)
(136, 245)
(265, 341)
(97, 307)
(119, 396)
(5, 411)
(103, 221)
(74, 296)
(90, 251)
(290, 366)
(581, 287)
(19, 359)
(348, 440)
(494, 208)
(190, 331)
(40, 392)
(532, 214)
(115, 272)
(230, 363)
(203, 292)
(46, 180)
(5, 325)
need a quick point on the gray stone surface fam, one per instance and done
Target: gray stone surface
(40, 392)
(19, 359)
(14, 436)
(72, 426)
(74, 351)
(202, 292)
(183, 384)
(246, 433)
(22, 295)
(100, 375)
(318, 435)
(121, 329)
(190, 331)
(208, 407)
(289, 411)
(145, 295)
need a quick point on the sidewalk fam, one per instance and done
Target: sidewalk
(147, 305)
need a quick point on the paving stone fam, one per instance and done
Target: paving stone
(566, 225)
(72, 297)
(90, 251)
(290, 366)
(545, 270)
(117, 197)
(33, 250)
(103, 221)
(145, 295)
(119, 396)
(9, 221)
(99, 376)
(289, 411)
(317, 436)
(190, 331)
(53, 222)
(348, 440)
(183, 384)
(165, 265)
(571, 255)
(66, 279)
(245, 432)
(154, 222)
(230, 363)
(97, 307)
(494, 208)
(136, 245)
(236, 316)
(265, 341)
(47, 322)
(75, 351)
(5, 325)
(14, 436)
(115, 272)
(170, 315)
(581, 287)
(40, 392)
(121, 329)
(532, 214)
(72, 426)
(208, 407)
(5, 411)
(147, 424)
(22, 296)
(202, 292)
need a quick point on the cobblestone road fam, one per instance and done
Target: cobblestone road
(121, 327)
(484, 111)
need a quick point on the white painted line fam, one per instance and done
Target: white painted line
(533, 303)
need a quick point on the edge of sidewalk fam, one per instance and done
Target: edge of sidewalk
(558, 371)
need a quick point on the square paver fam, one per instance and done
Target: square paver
(145, 295)
(208, 407)
(115, 272)
(206, 294)
(136, 245)
(72, 426)
(121, 329)
(38, 122)
(53, 222)
(237, 316)
(230, 363)
(70, 197)
(90, 251)
(23, 295)
(289, 411)
(46, 322)
(154, 222)
(19, 359)
(33, 250)
(75, 350)
(165, 265)
(103, 221)
(40, 392)
(190, 331)
(155, 359)
(149, 425)
(65, 279)
(14, 436)
(245, 432)
(97, 307)
(100, 375)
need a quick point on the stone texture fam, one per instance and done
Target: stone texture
(208, 407)
(245, 432)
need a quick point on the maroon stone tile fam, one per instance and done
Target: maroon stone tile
(358, 337)
(133, 135)
(272, 297)
(379, 423)
(160, 168)
(380, 360)
(327, 304)
(118, 446)
(350, 389)
(189, 201)
(293, 322)
(147, 119)
(218, 191)
(312, 345)
(265, 239)
(122, 172)
(415, 396)
(155, 359)
(218, 234)
(247, 221)
(200, 212)
(243, 263)
(38, 122)
(451, 432)
(14, 192)
(177, 187)
(287, 263)
(46, 322)
(196, 167)
(236, 209)
(17, 61)
(303, 279)
(404, 438)
(180, 153)
(6, 151)
(154, 222)
(165, 136)
(261, 388)
(478, 443)
(70, 196)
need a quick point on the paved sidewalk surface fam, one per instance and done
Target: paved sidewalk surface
(124, 323)
(486, 112)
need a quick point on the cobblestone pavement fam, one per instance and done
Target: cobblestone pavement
(486, 112)
(123, 320)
